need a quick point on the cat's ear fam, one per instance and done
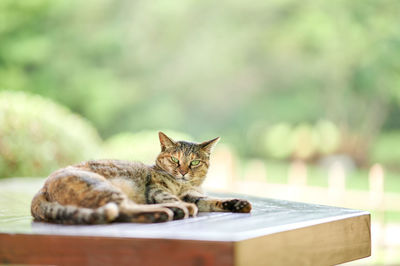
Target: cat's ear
(165, 141)
(209, 145)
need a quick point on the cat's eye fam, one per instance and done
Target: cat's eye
(195, 162)
(175, 160)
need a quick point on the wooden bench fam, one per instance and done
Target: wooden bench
(277, 232)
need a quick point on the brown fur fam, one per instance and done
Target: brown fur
(103, 191)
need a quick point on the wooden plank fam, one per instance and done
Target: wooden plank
(322, 244)
(76, 250)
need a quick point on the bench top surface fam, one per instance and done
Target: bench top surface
(267, 217)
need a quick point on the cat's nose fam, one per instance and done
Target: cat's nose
(182, 171)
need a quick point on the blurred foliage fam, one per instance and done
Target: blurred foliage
(278, 142)
(303, 141)
(38, 136)
(142, 146)
(385, 149)
(213, 68)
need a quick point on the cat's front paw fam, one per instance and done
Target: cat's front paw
(182, 210)
(179, 212)
(155, 216)
(192, 208)
(237, 205)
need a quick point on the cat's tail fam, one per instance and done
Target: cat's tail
(46, 211)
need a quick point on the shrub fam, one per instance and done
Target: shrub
(278, 141)
(328, 137)
(38, 136)
(302, 141)
(384, 149)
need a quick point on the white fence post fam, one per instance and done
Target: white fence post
(376, 186)
(297, 179)
(336, 183)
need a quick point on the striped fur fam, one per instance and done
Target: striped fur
(104, 191)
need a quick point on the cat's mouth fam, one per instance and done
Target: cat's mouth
(182, 178)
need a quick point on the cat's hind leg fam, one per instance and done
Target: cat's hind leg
(46, 211)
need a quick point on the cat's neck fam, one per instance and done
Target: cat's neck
(157, 168)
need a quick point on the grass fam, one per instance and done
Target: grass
(391, 216)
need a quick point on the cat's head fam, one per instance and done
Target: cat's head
(186, 161)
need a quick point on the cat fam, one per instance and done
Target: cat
(104, 191)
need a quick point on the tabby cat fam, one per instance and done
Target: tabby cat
(103, 191)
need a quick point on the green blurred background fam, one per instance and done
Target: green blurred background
(277, 80)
